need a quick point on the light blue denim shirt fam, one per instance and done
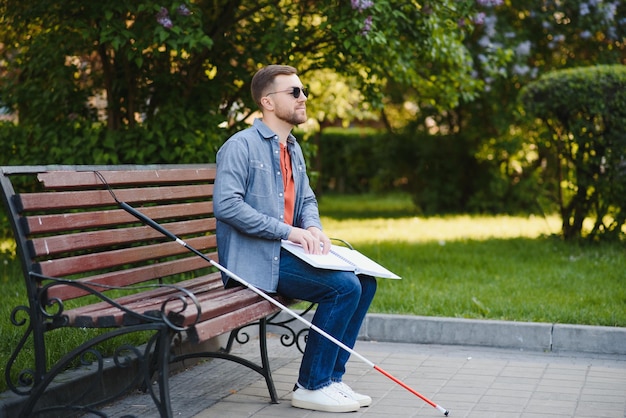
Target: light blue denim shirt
(249, 203)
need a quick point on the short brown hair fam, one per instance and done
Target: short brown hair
(264, 78)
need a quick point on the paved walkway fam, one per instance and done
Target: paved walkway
(474, 382)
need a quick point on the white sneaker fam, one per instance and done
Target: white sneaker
(327, 399)
(363, 400)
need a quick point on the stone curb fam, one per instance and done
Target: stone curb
(588, 339)
(490, 333)
(498, 334)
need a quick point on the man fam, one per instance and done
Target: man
(262, 196)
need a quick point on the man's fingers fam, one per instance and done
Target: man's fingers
(312, 245)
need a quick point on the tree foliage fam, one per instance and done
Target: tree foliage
(585, 112)
(164, 81)
(503, 167)
(540, 37)
(167, 81)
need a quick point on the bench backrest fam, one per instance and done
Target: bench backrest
(68, 224)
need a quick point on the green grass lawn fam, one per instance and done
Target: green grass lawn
(502, 267)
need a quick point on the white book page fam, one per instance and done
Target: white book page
(341, 258)
(323, 261)
(364, 264)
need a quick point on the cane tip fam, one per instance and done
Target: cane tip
(444, 410)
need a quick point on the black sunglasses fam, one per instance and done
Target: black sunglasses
(294, 91)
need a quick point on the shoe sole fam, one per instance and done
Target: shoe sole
(325, 408)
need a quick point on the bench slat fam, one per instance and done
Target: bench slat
(148, 300)
(206, 283)
(218, 326)
(213, 306)
(59, 244)
(72, 179)
(133, 276)
(95, 198)
(42, 224)
(63, 267)
(222, 301)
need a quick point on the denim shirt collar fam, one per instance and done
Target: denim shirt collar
(267, 133)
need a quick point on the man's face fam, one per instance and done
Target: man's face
(287, 107)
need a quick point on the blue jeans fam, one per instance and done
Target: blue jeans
(343, 299)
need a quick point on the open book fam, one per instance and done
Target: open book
(341, 258)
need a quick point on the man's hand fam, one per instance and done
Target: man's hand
(313, 240)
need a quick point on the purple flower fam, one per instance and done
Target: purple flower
(489, 3)
(183, 10)
(367, 25)
(361, 5)
(166, 22)
(163, 18)
(479, 19)
(162, 13)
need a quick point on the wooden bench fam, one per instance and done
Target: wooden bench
(89, 264)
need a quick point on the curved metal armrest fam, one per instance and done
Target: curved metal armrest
(91, 288)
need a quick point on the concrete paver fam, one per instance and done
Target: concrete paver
(471, 382)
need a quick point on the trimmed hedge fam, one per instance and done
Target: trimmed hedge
(584, 110)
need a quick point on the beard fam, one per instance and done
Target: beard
(291, 116)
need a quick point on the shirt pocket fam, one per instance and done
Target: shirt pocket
(300, 170)
(261, 182)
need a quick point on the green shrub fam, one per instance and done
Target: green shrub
(352, 161)
(442, 173)
(584, 110)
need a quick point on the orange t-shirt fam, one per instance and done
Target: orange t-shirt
(288, 184)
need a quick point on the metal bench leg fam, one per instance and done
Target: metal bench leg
(265, 360)
(162, 359)
(125, 357)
